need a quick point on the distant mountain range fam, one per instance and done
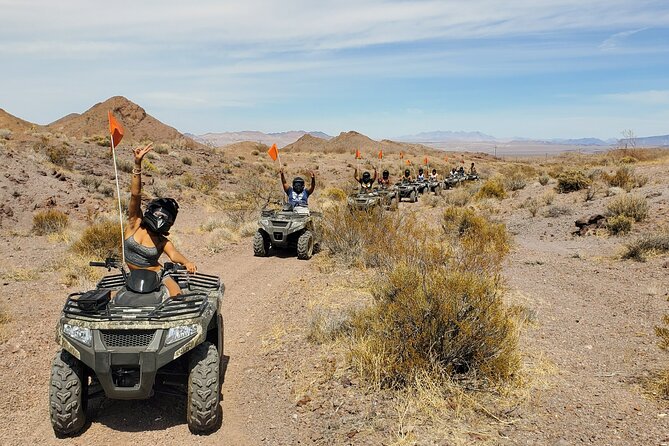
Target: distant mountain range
(281, 139)
(440, 137)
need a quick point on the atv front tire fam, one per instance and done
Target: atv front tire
(204, 389)
(413, 197)
(68, 394)
(305, 246)
(260, 244)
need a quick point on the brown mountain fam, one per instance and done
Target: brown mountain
(352, 141)
(13, 123)
(138, 124)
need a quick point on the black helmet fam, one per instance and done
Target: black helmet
(434, 170)
(420, 170)
(366, 177)
(160, 214)
(407, 172)
(298, 185)
(386, 174)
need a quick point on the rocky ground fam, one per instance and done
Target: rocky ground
(589, 347)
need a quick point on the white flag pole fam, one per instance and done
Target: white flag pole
(118, 196)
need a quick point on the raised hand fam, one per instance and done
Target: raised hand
(139, 152)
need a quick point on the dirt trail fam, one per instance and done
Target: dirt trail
(253, 409)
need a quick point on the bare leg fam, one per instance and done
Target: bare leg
(172, 286)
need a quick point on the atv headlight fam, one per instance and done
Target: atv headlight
(175, 334)
(264, 222)
(80, 334)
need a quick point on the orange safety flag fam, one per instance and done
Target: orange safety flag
(357, 154)
(446, 158)
(462, 161)
(425, 161)
(408, 162)
(401, 155)
(273, 152)
(115, 129)
(380, 154)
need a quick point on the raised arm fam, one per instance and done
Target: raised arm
(355, 175)
(313, 183)
(283, 180)
(376, 175)
(134, 208)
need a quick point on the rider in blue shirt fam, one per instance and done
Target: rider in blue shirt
(297, 194)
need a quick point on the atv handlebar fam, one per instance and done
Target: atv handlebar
(109, 263)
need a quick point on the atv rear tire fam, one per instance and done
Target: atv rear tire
(260, 244)
(413, 197)
(68, 394)
(305, 246)
(204, 394)
(437, 190)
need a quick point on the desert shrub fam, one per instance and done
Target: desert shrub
(5, 134)
(208, 183)
(662, 332)
(515, 182)
(571, 181)
(187, 160)
(334, 194)
(460, 196)
(125, 165)
(492, 188)
(619, 225)
(544, 179)
(629, 205)
(59, 155)
(443, 322)
(255, 153)
(557, 211)
(51, 221)
(592, 191)
(149, 167)
(220, 239)
(628, 160)
(533, 205)
(100, 140)
(653, 243)
(162, 149)
(189, 180)
(625, 178)
(99, 240)
(548, 197)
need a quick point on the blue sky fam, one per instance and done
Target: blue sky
(531, 68)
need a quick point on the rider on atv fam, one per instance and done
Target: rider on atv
(407, 176)
(366, 180)
(297, 194)
(145, 233)
(384, 181)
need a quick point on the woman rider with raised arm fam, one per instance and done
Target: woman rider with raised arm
(146, 233)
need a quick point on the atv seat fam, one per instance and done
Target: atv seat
(129, 298)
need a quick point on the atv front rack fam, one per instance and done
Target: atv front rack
(186, 306)
(197, 281)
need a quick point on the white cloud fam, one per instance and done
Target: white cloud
(614, 41)
(648, 97)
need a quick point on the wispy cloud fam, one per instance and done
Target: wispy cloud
(614, 41)
(648, 97)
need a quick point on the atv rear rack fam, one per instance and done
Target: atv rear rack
(186, 306)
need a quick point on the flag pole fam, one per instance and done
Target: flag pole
(118, 196)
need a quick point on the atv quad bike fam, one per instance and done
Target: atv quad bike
(290, 228)
(407, 190)
(421, 186)
(390, 198)
(127, 339)
(452, 181)
(363, 200)
(434, 186)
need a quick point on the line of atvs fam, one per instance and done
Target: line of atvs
(390, 197)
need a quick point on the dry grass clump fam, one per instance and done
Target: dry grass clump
(544, 179)
(515, 182)
(5, 134)
(162, 149)
(334, 194)
(629, 205)
(328, 324)
(59, 155)
(460, 196)
(548, 197)
(557, 211)
(187, 160)
(99, 240)
(533, 205)
(625, 178)
(571, 181)
(662, 332)
(619, 224)
(626, 155)
(124, 165)
(492, 188)
(75, 270)
(653, 243)
(51, 221)
(220, 239)
(4, 320)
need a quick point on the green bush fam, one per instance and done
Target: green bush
(657, 242)
(59, 155)
(492, 188)
(629, 205)
(619, 225)
(187, 160)
(571, 181)
(544, 179)
(99, 240)
(51, 221)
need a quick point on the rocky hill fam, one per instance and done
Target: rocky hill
(138, 124)
(281, 139)
(14, 124)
